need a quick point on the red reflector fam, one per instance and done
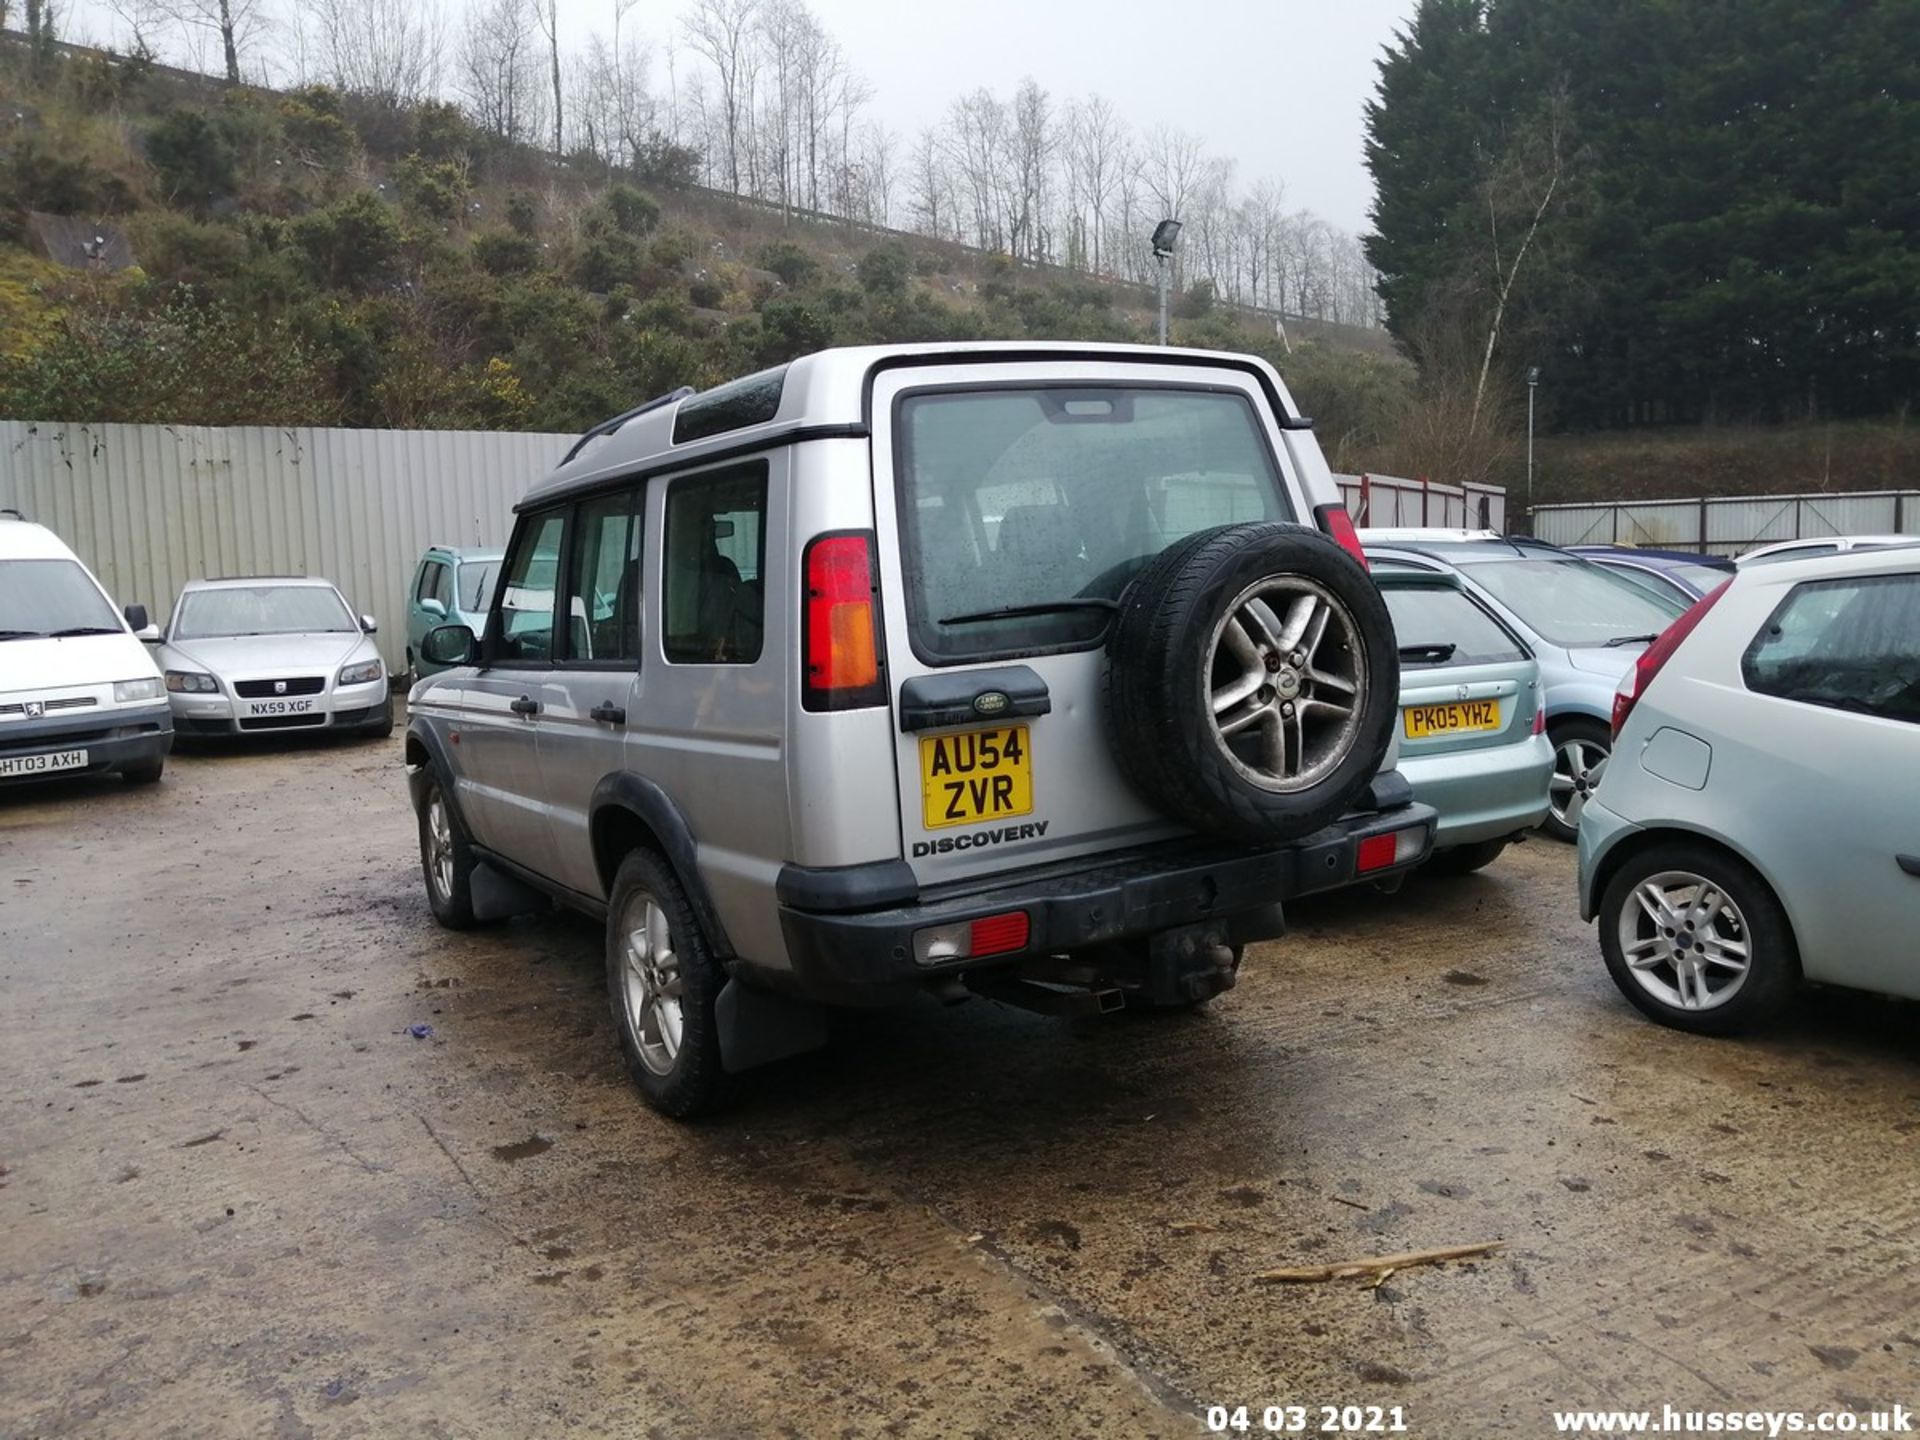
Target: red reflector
(1540, 721)
(998, 934)
(1376, 853)
(842, 658)
(1338, 525)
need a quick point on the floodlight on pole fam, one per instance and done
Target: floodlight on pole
(1165, 236)
(1533, 383)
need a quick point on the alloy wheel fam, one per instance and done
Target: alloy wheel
(651, 982)
(1577, 768)
(1685, 941)
(439, 846)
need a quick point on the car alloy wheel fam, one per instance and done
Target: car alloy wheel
(651, 983)
(439, 846)
(1286, 685)
(1578, 764)
(1684, 941)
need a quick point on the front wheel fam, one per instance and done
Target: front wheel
(1697, 940)
(446, 859)
(664, 983)
(1581, 749)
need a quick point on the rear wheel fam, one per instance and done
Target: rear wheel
(1465, 859)
(1697, 940)
(446, 859)
(1581, 749)
(664, 983)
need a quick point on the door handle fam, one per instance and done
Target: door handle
(608, 713)
(1910, 864)
(524, 706)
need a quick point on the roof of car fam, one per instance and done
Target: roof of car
(1657, 559)
(463, 554)
(1826, 543)
(215, 582)
(1452, 545)
(24, 540)
(1896, 558)
(818, 395)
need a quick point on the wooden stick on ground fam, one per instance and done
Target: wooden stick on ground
(1377, 1265)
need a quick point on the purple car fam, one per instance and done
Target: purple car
(1669, 574)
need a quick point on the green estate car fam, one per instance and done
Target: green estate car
(450, 587)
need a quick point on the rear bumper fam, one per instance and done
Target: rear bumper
(113, 739)
(1600, 831)
(865, 955)
(1483, 794)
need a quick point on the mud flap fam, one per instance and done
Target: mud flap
(758, 1027)
(498, 896)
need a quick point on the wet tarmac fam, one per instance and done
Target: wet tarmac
(238, 1196)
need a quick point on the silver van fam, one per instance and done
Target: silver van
(1042, 672)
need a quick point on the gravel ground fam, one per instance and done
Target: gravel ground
(238, 1198)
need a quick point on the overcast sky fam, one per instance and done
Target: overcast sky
(1275, 84)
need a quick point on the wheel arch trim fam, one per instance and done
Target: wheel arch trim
(1641, 839)
(632, 809)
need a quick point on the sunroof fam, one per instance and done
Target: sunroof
(733, 406)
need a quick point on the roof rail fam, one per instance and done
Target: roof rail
(607, 427)
(7, 512)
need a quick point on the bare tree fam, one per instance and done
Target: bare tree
(1099, 140)
(1523, 183)
(389, 49)
(546, 14)
(723, 31)
(1032, 146)
(237, 23)
(499, 69)
(931, 185)
(146, 21)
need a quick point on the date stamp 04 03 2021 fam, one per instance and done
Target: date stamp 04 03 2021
(1307, 1420)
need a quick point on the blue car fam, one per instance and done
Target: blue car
(1584, 623)
(450, 587)
(1670, 574)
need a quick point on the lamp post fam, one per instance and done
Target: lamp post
(1165, 235)
(1533, 383)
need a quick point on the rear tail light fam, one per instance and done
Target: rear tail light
(1540, 719)
(1384, 852)
(972, 939)
(841, 657)
(1634, 683)
(1337, 525)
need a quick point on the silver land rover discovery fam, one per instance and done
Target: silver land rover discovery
(1041, 672)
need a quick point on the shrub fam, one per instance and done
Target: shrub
(183, 251)
(789, 328)
(441, 132)
(707, 293)
(437, 189)
(43, 175)
(604, 262)
(885, 270)
(192, 156)
(633, 212)
(794, 266)
(354, 242)
(503, 252)
(317, 131)
(523, 213)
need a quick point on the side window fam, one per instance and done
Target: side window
(1848, 644)
(423, 587)
(443, 585)
(603, 587)
(526, 599)
(714, 594)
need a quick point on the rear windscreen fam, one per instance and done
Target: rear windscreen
(1023, 510)
(1427, 619)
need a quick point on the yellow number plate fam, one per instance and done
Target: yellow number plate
(1424, 721)
(974, 775)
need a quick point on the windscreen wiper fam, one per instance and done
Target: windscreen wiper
(23, 634)
(1037, 607)
(1435, 652)
(1617, 641)
(73, 630)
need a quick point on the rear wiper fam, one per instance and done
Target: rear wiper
(73, 630)
(1620, 640)
(1038, 607)
(1436, 652)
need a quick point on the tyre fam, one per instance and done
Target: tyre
(144, 774)
(663, 983)
(1252, 681)
(1580, 752)
(446, 859)
(1697, 940)
(1465, 859)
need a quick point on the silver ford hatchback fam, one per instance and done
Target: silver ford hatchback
(1040, 672)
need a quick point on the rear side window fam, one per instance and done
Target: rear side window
(526, 599)
(603, 588)
(714, 606)
(1023, 510)
(1849, 644)
(1438, 626)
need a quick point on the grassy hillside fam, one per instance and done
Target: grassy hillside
(315, 258)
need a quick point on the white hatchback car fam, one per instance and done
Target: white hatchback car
(1759, 822)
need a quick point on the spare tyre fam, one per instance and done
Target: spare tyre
(1252, 681)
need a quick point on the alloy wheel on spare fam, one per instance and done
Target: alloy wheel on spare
(1578, 764)
(651, 986)
(1684, 941)
(1286, 688)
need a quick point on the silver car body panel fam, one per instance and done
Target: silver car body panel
(1820, 801)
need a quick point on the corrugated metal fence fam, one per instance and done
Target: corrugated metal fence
(149, 507)
(1728, 525)
(1387, 501)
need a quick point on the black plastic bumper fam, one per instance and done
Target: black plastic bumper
(113, 740)
(841, 953)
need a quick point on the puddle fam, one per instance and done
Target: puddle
(522, 1149)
